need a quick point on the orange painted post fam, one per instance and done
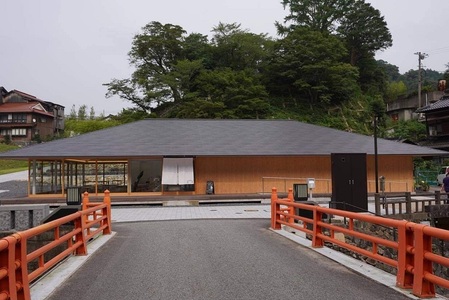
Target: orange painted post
(8, 259)
(22, 281)
(85, 206)
(404, 279)
(317, 242)
(291, 209)
(80, 236)
(85, 200)
(107, 212)
(423, 244)
(274, 197)
(274, 208)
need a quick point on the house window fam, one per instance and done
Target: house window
(395, 117)
(7, 118)
(19, 118)
(19, 132)
(146, 175)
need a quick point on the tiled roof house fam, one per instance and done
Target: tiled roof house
(24, 117)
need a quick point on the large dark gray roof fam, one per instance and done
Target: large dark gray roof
(181, 137)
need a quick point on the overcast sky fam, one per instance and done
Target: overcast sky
(63, 51)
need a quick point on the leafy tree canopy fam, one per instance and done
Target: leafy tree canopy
(307, 66)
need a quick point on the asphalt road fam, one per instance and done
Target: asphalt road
(212, 259)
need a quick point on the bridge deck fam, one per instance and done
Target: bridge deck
(212, 259)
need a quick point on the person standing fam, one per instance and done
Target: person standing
(445, 185)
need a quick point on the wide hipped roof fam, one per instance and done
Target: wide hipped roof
(181, 137)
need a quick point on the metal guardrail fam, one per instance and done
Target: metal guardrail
(415, 256)
(94, 219)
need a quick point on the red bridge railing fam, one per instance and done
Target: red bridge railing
(15, 278)
(415, 256)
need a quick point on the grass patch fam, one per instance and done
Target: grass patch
(10, 166)
(13, 170)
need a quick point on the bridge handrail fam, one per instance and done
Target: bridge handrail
(415, 256)
(92, 220)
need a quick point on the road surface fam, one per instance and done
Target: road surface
(212, 259)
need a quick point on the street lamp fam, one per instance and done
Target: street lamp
(376, 162)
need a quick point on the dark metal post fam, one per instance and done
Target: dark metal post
(377, 204)
(376, 163)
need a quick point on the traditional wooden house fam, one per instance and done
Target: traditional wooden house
(187, 157)
(24, 117)
(436, 118)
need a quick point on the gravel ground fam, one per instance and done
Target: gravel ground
(13, 189)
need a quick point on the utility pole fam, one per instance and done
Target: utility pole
(421, 56)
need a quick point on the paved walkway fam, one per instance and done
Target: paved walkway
(23, 175)
(158, 213)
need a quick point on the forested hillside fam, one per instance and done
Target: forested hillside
(320, 69)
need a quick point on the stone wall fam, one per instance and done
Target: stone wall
(22, 217)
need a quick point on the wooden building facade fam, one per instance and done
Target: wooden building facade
(180, 157)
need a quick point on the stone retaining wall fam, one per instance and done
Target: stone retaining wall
(22, 217)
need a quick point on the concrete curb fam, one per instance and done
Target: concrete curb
(47, 284)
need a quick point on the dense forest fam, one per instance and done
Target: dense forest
(320, 69)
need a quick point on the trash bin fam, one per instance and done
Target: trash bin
(210, 187)
(73, 195)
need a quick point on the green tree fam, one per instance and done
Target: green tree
(429, 80)
(227, 94)
(412, 130)
(82, 112)
(129, 115)
(377, 110)
(239, 49)
(318, 15)
(446, 75)
(73, 114)
(92, 113)
(395, 90)
(364, 30)
(75, 127)
(390, 70)
(307, 65)
(154, 54)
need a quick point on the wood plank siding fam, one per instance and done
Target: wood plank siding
(259, 174)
